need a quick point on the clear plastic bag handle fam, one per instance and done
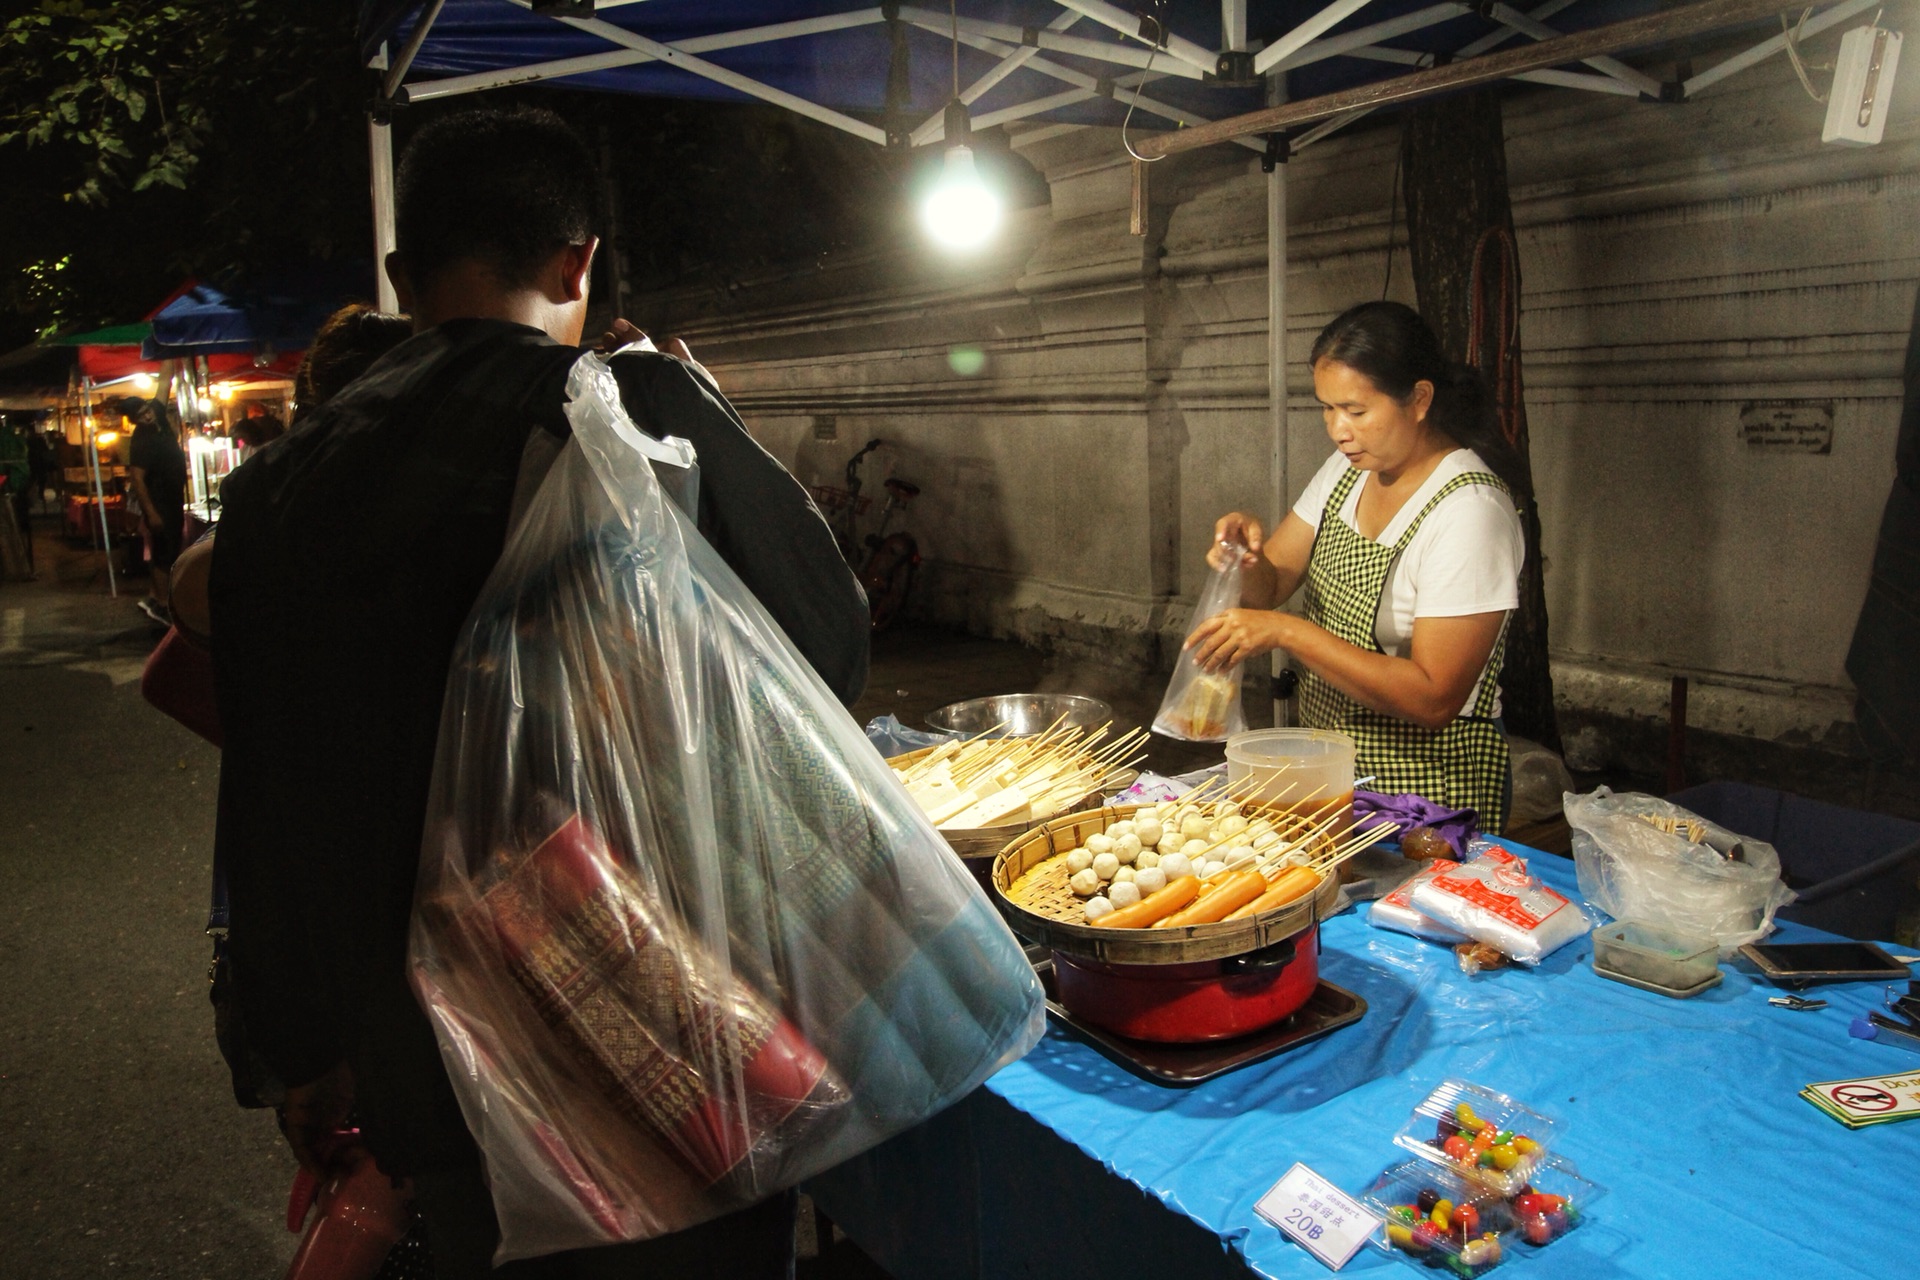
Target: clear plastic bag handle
(594, 402)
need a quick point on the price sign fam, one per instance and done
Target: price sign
(1318, 1216)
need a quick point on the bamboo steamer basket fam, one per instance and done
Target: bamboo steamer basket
(1044, 912)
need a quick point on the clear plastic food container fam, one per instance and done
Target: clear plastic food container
(1433, 1217)
(1655, 955)
(1555, 1200)
(1483, 1136)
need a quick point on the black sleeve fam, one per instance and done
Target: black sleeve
(759, 518)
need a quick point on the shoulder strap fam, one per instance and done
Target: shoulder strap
(1338, 497)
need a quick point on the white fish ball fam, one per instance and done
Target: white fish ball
(1097, 845)
(1208, 870)
(1150, 880)
(1123, 875)
(1124, 893)
(1150, 831)
(1085, 883)
(1120, 830)
(1078, 860)
(1097, 907)
(1298, 858)
(1169, 843)
(1239, 853)
(1148, 859)
(1104, 865)
(1259, 826)
(1193, 828)
(1266, 840)
(1193, 848)
(1126, 848)
(1215, 835)
(1175, 865)
(1233, 824)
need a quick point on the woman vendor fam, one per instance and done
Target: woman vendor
(1409, 548)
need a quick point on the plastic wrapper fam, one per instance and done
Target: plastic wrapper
(684, 939)
(1540, 779)
(1396, 911)
(1204, 706)
(1445, 1130)
(1724, 886)
(1491, 898)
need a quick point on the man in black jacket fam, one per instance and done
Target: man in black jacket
(350, 554)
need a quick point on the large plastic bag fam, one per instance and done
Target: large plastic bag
(1632, 870)
(1204, 706)
(684, 939)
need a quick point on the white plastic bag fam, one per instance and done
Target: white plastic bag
(684, 939)
(1204, 706)
(1632, 870)
(1396, 910)
(1493, 898)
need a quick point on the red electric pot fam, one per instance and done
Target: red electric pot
(1198, 1001)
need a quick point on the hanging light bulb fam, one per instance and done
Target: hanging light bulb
(960, 212)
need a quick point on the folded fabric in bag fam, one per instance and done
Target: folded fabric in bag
(684, 939)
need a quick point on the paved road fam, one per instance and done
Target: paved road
(121, 1150)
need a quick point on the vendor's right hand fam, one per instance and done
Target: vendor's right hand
(1237, 526)
(313, 1115)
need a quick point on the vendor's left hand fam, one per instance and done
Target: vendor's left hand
(1229, 638)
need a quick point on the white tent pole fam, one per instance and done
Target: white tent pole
(91, 425)
(1128, 24)
(1334, 46)
(1634, 78)
(1277, 351)
(934, 126)
(1325, 127)
(1504, 34)
(1276, 53)
(1233, 26)
(398, 71)
(380, 161)
(1098, 50)
(1767, 48)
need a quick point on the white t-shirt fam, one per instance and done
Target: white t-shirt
(1464, 559)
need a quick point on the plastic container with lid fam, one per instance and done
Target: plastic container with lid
(1458, 1109)
(1556, 1200)
(1656, 956)
(1299, 769)
(1432, 1217)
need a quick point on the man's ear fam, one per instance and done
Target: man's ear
(402, 283)
(576, 266)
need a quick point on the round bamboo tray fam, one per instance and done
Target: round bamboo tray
(1035, 908)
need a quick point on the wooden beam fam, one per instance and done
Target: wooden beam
(1652, 28)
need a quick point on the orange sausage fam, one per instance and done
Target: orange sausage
(1163, 902)
(1236, 891)
(1289, 886)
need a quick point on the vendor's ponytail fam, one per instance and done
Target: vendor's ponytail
(1394, 348)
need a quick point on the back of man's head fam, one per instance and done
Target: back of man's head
(504, 189)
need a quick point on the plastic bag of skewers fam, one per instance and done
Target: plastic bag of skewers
(684, 939)
(1200, 705)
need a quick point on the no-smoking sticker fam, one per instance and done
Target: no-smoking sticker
(1856, 1097)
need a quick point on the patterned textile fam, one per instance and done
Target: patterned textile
(1463, 765)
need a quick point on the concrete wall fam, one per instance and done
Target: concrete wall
(1679, 263)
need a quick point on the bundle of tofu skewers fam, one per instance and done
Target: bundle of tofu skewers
(1201, 859)
(996, 782)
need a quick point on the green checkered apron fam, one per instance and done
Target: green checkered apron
(1463, 766)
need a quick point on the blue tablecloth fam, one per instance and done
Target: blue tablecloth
(1685, 1110)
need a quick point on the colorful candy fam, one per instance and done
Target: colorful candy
(1473, 1143)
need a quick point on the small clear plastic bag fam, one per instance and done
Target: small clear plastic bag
(1204, 706)
(683, 937)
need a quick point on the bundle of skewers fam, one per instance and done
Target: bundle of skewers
(994, 782)
(1201, 859)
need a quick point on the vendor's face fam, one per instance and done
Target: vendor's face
(1373, 430)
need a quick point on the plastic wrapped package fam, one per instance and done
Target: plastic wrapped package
(1396, 911)
(1722, 886)
(1486, 1137)
(684, 939)
(1492, 899)
(1204, 706)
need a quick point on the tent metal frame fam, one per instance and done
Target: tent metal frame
(1274, 131)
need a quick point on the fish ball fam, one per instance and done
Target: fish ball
(1124, 894)
(1078, 860)
(1085, 883)
(1194, 848)
(1298, 858)
(1175, 865)
(1208, 870)
(1266, 840)
(1239, 853)
(1148, 859)
(1120, 830)
(1150, 880)
(1105, 864)
(1169, 843)
(1233, 824)
(1126, 848)
(1193, 828)
(1097, 845)
(1123, 875)
(1150, 831)
(1097, 907)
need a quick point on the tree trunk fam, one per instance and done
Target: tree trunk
(1455, 158)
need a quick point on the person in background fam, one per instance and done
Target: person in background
(350, 553)
(157, 466)
(259, 426)
(344, 348)
(39, 463)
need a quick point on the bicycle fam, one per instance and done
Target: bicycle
(886, 570)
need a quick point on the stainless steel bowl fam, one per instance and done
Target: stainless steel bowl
(1020, 713)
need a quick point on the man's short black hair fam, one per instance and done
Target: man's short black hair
(132, 406)
(505, 188)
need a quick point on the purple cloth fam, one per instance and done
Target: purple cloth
(1456, 826)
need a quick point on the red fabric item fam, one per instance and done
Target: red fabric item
(178, 679)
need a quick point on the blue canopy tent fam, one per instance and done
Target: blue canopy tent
(887, 73)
